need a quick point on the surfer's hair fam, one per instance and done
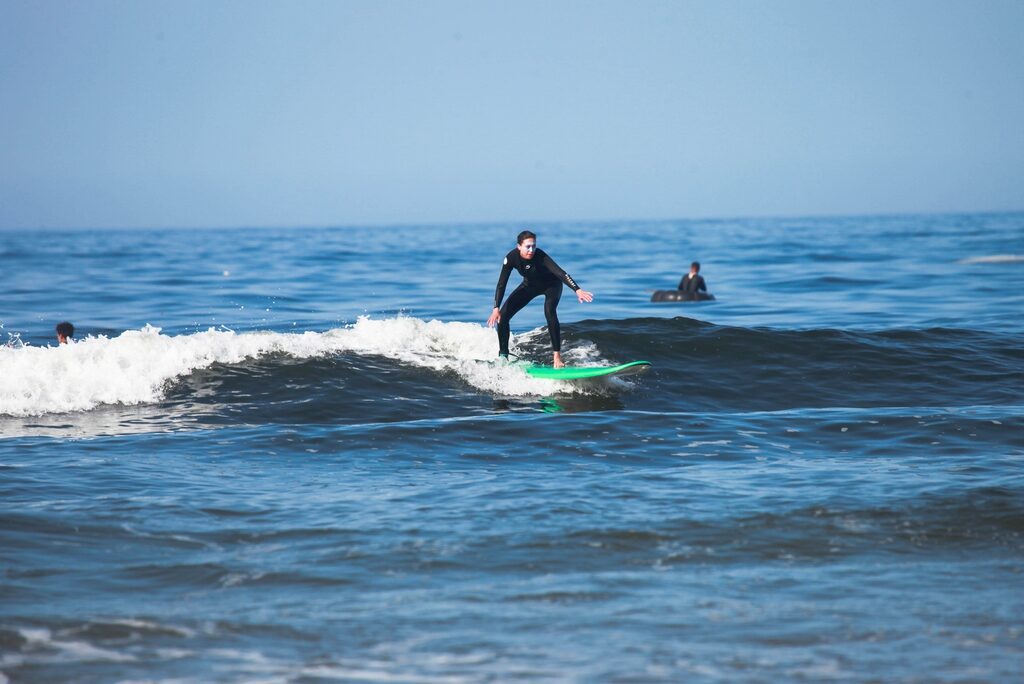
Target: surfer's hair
(696, 265)
(525, 235)
(65, 329)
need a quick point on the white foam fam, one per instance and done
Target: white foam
(63, 650)
(136, 367)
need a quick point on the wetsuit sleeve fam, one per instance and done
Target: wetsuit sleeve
(682, 283)
(700, 284)
(554, 268)
(499, 292)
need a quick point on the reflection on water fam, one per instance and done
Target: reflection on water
(566, 403)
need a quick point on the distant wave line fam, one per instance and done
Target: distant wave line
(994, 259)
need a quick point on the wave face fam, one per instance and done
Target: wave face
(726, 368)
(315, 469)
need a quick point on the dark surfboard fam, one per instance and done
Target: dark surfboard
(680, 296)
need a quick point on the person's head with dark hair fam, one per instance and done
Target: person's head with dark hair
(65, 331)
(524, 235)
(695, 267)
(527, 243)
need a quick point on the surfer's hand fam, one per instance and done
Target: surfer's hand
(495, 317)
(584, 296)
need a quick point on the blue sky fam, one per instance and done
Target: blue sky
(159, 114)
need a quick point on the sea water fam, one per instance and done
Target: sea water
(290, 456)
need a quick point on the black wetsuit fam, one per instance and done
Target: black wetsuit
(692, 285)
(541, 276)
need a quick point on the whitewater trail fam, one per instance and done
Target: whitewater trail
(137, 366)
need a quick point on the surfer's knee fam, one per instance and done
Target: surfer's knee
(551, 308)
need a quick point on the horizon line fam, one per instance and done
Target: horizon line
(499, 222)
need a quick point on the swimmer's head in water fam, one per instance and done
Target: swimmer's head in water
(527, 243)
(65, 331)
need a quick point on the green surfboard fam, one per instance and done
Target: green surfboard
(586, 372)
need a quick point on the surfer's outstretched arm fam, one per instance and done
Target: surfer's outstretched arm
(499, 293)
(581, 295)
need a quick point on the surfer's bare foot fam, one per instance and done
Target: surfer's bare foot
(557, 361)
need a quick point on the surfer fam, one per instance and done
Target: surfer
(693, 282)
(541, 276)
(65, 331)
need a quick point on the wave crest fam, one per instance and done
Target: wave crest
(137, 366)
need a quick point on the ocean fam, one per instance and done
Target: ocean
(288, 455)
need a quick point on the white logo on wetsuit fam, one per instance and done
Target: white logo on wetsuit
(527, 267)
(504, 262)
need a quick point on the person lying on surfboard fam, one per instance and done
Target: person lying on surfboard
(541, 276)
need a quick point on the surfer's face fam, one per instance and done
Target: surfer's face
(527, 248)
